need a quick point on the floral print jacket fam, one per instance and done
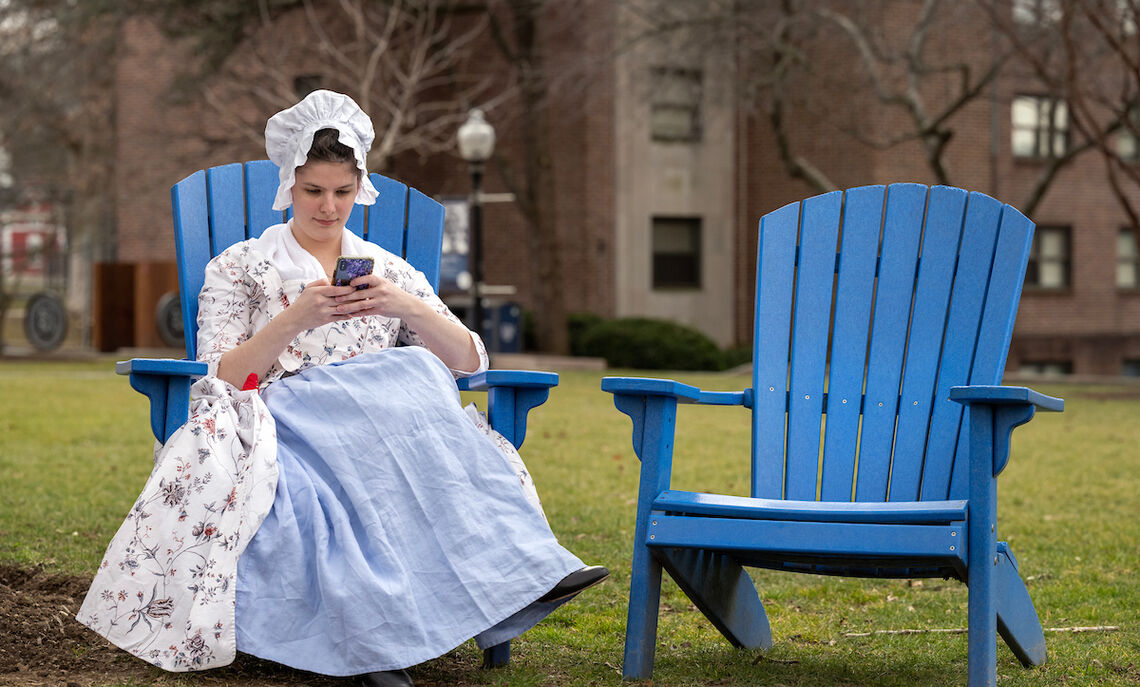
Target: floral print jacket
(244, 290)
(165, 588)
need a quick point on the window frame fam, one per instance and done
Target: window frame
(1046, 367)
(1129, 134)
(1127, 19)
(1044, 145)
(657, 276)
(664, 98)
(1132, 261)
(1033, 268)
(1036, 12)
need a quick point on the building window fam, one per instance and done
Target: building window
(306, 84)
(675, 104)
(1036, 12)
(676, 252)
(1127, 10)
(1040, 126)
(1046, 367)
(1127, 141)
(1130, 367)
(1127, 259)
(1049, 259)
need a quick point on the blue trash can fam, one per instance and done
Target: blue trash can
(502, 328)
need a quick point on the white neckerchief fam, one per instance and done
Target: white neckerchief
(278, 244)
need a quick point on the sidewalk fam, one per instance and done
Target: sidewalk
(541, 361)
(62, 354)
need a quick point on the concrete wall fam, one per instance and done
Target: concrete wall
(689, 179)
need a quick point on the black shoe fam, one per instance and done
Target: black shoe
(575, 582)
(385, 678)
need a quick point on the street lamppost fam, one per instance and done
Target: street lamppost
(476, 143)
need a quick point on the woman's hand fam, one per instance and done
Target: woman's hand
(378, 297)
(449, 341)
(318, 304)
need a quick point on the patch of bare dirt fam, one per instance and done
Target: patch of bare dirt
(40, 641)
(42, 644)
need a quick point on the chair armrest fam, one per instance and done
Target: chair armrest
(511, 394)
(994, 413)
(683, 393)
(1005, 395)
(162, 366)
(651, 405)
(519, 379)
(166, 382)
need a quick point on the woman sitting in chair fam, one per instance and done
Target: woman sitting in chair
(365, 519)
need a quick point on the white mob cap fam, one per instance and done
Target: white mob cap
(289, 136)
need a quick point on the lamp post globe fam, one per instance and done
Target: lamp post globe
(476, 137)
(476, 140)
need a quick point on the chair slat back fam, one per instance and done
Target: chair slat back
(218, 207)
(870, 305)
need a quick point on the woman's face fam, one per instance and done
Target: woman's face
(323, 195)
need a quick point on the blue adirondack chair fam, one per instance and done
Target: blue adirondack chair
(215, 208)
(883, 319)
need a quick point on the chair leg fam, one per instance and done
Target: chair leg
(1017, 620)
(982, 615)
(641, 621)
(498, 655)
(981, 572)
(723, 591)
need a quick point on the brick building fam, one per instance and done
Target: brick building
(661, 175)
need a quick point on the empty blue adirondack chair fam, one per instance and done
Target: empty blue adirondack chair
(218, 207)
(883, 319)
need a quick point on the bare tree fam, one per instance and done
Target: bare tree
(57, 113)
(893, 64)
(410, 65)
(515, 27)
(1086, 54)
(899, 72)
(398, 59)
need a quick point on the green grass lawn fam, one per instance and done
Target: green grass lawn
(75, 450)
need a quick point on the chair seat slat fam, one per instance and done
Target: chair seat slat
(941, 238)
(975, 258)
(423, 241)
(857, 265)
(719, 505)
(905, 208)
(937, 544)
(1011, 254)
(261, 181)
(386, 218)
(819, 232)
(192, 244)
(776, 274)
(227, 206)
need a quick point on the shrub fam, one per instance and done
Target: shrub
(735, 357)
(529, 331)
(650, 344)
(577, 324)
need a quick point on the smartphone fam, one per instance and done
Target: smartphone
(349, 267)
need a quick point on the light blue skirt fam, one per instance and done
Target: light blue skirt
(398, 530)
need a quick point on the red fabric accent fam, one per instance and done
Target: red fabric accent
(250, 382)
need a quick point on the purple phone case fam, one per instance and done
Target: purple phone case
(348, 269)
